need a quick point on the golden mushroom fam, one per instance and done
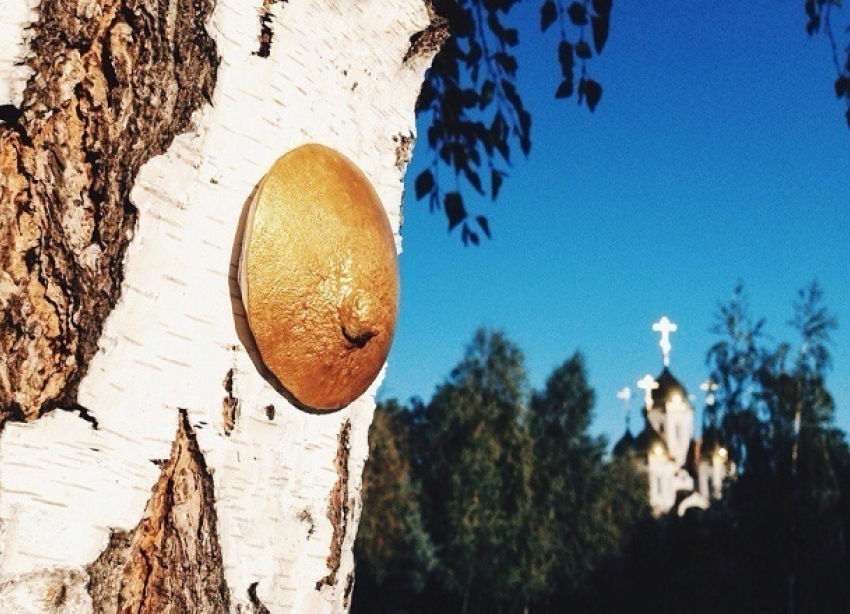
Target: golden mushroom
(319, 277)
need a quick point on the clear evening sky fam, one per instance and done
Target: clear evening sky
(718, 152)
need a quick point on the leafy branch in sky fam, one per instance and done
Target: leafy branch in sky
(820, 14)
(477, 118)
(475, 113)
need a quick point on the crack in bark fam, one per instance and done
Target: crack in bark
(256, 604)
(338, 506)
(114, 81)
(171, 561)
(349, 588)
(230, 404)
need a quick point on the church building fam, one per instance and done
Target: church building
(683, 472)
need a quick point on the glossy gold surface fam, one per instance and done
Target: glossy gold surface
(319, 277)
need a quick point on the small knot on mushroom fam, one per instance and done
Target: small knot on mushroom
(357, 337)
(355, 323)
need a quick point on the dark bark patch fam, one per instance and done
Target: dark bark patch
(307, 517)
(428, 41)
(171, 561)
(270, 412)
(349, 588)
(339, 506)
(403, 149)
(230, 404)
(112, 86)
(266, 28)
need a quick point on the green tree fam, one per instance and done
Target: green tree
(584, 508)
(393, 552)
(788, 496)
(476, 464)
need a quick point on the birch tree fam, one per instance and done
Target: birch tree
(146, 465)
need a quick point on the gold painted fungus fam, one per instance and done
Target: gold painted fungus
(319, 277)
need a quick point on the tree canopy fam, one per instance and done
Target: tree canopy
(494, 497)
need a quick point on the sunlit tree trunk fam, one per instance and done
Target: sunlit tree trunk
(145, 464)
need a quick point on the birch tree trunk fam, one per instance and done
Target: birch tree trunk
(145, 464)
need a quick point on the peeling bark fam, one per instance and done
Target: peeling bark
(428, 41)
(403, 150)
(114, 81)
(338, 506)
(171, 562)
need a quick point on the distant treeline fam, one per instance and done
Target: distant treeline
(492, 497)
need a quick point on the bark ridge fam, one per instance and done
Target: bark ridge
(171, 562)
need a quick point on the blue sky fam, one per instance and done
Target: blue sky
(718, 153)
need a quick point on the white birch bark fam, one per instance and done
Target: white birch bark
(335, 75)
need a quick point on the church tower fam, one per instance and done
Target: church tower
(682, 472)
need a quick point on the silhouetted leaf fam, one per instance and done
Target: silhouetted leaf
(488, 90)
(565, 57)
(602, 8)
(814, 18)
(847, 115)
(511, 94)
(474, 238)
(482, 221)
(434, 134)
(548, 15)
(842, 86)
(475, 54)
(525, 121)
(813, 25)
(424, 184)
(583, 50)
(577, 14)
(455, 210)
(495, 25)
(446, 153)
(600, 32)
(600, 23)
(507, 62)
(565, 90)
(474, 179)
(592, 91)
(511, 37)
(495, 183)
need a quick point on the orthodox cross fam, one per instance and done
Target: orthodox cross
(665, 327)
(647, 384)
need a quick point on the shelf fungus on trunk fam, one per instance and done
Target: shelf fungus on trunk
(319, 277)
